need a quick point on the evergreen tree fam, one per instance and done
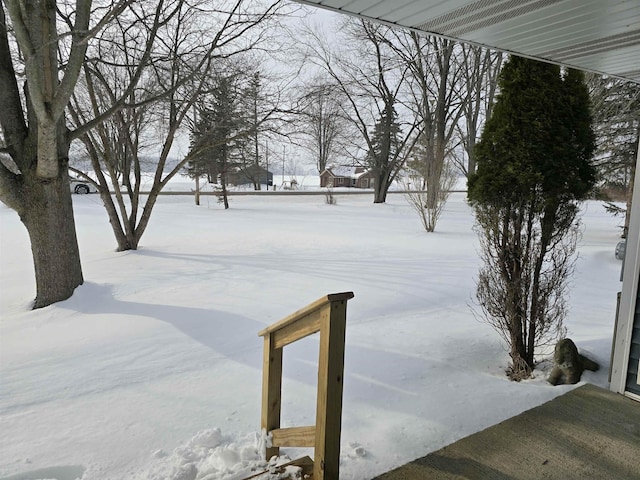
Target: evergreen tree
(197, 166)
(385, 136)
(534, 165)
(384, 158)
(251, 105)
(216, 140)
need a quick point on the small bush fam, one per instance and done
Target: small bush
(330, 199)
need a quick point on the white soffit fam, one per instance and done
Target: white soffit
(594, 35)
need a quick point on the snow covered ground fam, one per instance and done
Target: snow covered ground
(152, 370)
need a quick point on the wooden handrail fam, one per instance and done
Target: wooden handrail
(327, 315)
(303, 312)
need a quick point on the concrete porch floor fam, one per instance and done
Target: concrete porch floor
(587, 433)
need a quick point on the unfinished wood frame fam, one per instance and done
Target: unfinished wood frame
(327, 315)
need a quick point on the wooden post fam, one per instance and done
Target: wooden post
(327, 315)
(271, 390)
(329, 406)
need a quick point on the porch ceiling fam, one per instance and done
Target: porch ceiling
(594, 35)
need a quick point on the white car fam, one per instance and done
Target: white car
(81, 186)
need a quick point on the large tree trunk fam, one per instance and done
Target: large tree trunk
(224, 193)
(47, 214)
(379, 191)
(37, 140)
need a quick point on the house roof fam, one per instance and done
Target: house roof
(594, 35)
(346, 171)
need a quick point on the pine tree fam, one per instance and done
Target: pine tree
(251, 105)
(197, 166)
(534, 165)
(384, 159)
(216, 139)
(385, 135)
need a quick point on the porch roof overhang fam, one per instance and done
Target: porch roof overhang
(600, 36)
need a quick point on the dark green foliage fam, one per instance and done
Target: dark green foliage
(198, 165)
(385, 137)
(216, 139)
(533, 165)
(538, 142)
(384, 157)
(225, 137)
(250, 153)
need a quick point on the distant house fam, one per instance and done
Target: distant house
(355, 177)
(250, 174)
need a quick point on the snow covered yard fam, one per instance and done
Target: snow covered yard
(152, 370)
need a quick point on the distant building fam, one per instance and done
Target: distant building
(355, 177)
(250, 174)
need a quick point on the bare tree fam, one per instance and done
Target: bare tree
(453, 86)
(437, 100)
(419, 186)
(616, 111)
(371, 78)
(187, 52)
(478, 84)
(323, 121)
(34, 130)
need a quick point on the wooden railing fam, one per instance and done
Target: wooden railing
(327, 315)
